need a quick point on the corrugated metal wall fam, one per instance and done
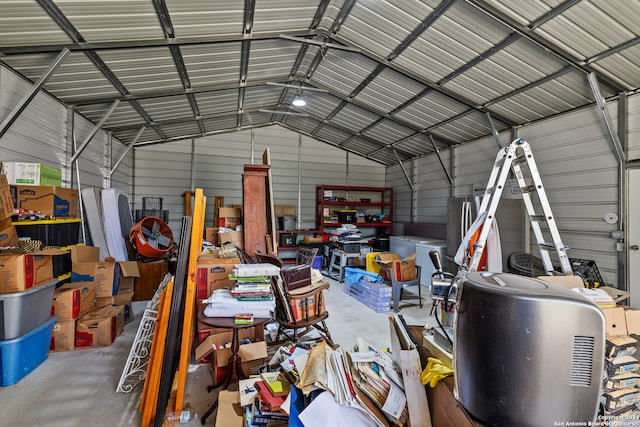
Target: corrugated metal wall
(165, 170)
(577, 166)
(40, 133)
(44, 133)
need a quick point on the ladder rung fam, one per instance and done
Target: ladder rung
(552, 246)
(538, 218)
(519, 160)
(529, 189)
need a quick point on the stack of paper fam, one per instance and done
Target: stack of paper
(222, 304)
(328, 369)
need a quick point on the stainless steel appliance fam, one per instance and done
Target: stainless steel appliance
(422, 258)
(406, 245)
(527, 352)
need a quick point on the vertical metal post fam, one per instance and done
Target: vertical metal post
(298, 219)
(26, 100)
(252, 145)
(74, 165)
(193, 161)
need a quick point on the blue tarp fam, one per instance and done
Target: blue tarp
(354, 275)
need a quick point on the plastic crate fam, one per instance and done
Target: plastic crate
(21, 312)
(55, 232)
(20, 356)
(588, 270)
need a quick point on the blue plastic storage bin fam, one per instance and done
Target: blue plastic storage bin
(21, 355)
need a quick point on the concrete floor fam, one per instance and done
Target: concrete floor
(77, 389)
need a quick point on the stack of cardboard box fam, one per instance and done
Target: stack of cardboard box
(94, 307)
(226, 230)
(38, 188)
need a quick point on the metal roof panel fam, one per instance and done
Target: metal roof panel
(143, 70)
(26, 23)
(212, 63)
(112, 20)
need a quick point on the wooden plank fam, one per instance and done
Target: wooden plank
(190, 296)
(271, 215)
(157, 358)
(174, 328)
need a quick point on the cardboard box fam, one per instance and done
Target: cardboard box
(285, 210)
(205, 331)
(229, 217)
(124, 299)
(213, 273)
(64, 335)
(401, 270)
(109, 276)
(8, 233)
(72, 300)
(19, 272)
(235, 237)
(569, 282)
(252, 355)
(118, 312)
(32, 173)
(6, 201)
(632, 320)
(97, 328)
(211, 235)
(57, 202)
(615, 321)
(229, 413)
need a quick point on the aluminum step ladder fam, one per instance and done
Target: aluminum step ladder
(526, 173)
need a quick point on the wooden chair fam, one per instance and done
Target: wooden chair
(245, 258)
(301, 308)
(268, 258)
(306, 255)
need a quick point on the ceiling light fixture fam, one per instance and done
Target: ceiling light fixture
(299, 100)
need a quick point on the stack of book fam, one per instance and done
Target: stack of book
(263, 398)
(244, 319)
(256, 288)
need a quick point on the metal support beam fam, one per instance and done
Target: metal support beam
(127, 151)
(28, 97)
(95, 129)
(613, 136)
(404, 171)
(440, 158)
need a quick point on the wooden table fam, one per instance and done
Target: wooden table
(445, 410)
(235, 362)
